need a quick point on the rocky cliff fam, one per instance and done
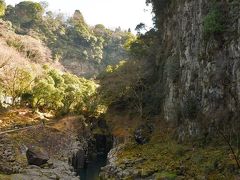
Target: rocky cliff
(197, 65)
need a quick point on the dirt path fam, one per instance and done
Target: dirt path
(69, 122)
(25, 128)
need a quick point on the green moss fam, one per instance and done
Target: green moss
(213, 22)
(166, 158)
(165, 175)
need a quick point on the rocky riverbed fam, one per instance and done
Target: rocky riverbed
(54, 170)
(15, 163)
(58, 151)
(58, 143)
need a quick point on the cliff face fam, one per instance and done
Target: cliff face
(199, 76)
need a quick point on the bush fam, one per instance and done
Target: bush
(213, 22)
(16, 43)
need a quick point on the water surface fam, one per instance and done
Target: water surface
(91, 172)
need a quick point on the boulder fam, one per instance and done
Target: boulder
(37, 156)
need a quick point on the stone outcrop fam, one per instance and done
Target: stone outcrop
(198, 76)
(58, 170)
(8, 161)
(126, 170)
(37, 156)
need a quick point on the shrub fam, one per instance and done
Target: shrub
(16, 43)
(213, 22)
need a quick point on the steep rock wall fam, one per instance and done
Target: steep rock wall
(199, 77)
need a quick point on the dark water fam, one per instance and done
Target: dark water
(91, 172)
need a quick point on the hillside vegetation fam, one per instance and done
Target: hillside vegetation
(168, 98)
(80, 48)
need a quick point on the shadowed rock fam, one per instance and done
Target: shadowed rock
(37, 156)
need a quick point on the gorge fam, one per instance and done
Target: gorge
(108, 104)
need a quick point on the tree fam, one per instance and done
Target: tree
(28, 12)
(140, 27)
(62, 92)
(10, 14)
(143, 46)
(78, 17)
(2, 7)
(125, 82)
(16, 82)
(46, 96)
(72, 92)
(56, 77)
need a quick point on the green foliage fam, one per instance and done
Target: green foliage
(10, 14)
(16, 43)
(143, 46)
(69, 37)
(2, 8)
(162, 160)
(125, 85)
(24, 14)
(51, 91)
(78, 93)
(115, 82)
(213, 23)
(28, 12)
(46, 95)
(158, 9)
(15, 82)
(63, 92)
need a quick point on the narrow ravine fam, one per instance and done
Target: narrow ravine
(87, 162)
(92, 170)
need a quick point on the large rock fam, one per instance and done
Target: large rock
(60, 170)
(37, 156)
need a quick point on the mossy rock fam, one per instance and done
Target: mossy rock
(165, 176)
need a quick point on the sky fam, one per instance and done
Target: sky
(111, 13)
